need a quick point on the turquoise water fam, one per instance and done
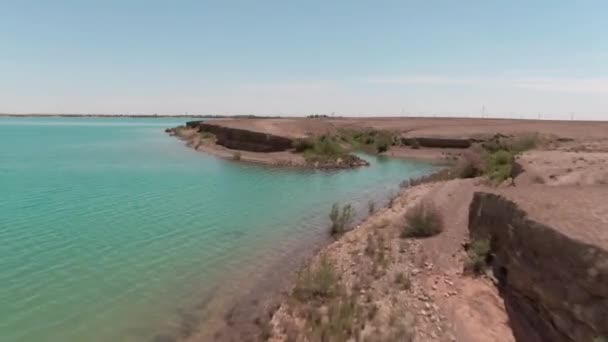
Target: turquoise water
(109, 227)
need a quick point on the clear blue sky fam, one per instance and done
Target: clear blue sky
(516, 58)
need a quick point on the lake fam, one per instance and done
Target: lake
(110, 229)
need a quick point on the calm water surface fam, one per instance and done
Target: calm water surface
(109, 228)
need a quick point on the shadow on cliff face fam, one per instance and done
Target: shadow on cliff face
(523, 319)
(553, 286)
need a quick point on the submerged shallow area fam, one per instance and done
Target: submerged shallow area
(109, 228)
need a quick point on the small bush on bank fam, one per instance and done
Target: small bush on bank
(392, 197)
(478, 254)
(370, 140)
(423, 220)
(324, 149)
(515, 145)
(302, 145)
(342, 321)
(500, 165)
(382, 147)
(525, 143)
(402, 279)
(327, 146)
(207, 135)
(469, 165)
(318, 281)
(538, 179)
(340, 219)
(371, 207)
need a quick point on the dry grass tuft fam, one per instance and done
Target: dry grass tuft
(423, 220)
(478, 254)
(340, 220)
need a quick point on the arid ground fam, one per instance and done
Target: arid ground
(522, 254)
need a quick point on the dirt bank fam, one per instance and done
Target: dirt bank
(437, 140)
(207, 144)
(380, 286)
(261, 148)
(422, 127)
(546, 262)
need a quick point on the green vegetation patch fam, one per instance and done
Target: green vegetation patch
(478, 255)
(322, 149)
(369, 140)
(515, 145)
(500, 165)
(331, 313)
(340, 219)
(320, 282)
(207, 135)
(371, 207)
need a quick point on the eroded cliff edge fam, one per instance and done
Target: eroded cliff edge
(554, 279)
(242, 139)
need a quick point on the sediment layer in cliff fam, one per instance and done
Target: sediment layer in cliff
(241, 139)
(437, 142)
(550, 258)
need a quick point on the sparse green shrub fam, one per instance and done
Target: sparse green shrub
(324, 149)
(340, 219)
(370, 140)
(524, 143)
(500, 165)
(375, 250)
(423, 220)
(318, 281)
(327, 146)
(514, 145)
(381, 258)
(302, 145)
(236, 155)
(382, 147)
(342, 320)
(207, 135)
(538, 179)
(400, 333)
(469, 165)
(403, 280)
(391, 200)
(477, 256)
(381, 224)
(502, 157)
(370, 247)
(331, 314)
(371, 207)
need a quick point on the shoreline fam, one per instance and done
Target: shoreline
(249, 314)
(286, 158)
